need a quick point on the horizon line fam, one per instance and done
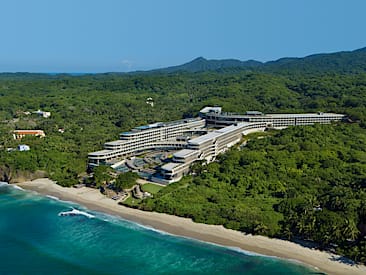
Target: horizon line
(168, 66)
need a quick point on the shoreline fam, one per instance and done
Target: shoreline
(215, 234)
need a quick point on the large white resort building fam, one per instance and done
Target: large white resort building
(195, 141)
(167, 136)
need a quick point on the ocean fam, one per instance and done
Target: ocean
(36, 239)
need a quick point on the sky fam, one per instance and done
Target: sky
(126, 35)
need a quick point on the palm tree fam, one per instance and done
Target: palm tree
(350, 231)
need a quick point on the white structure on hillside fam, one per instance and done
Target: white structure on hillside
(18, 134)
(206, 147)
(43, 113)
(154, 136)
(150, 101)
(23, 147)
(216, 118)
(233, 127)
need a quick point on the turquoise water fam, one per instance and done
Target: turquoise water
(34, 239)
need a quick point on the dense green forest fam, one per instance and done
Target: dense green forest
(305, 182)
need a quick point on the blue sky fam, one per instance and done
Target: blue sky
(125, 35)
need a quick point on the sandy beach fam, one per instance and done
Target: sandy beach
(94, 200)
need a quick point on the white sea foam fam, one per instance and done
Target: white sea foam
(17, 187)
(243, 251)
(53, 197)
(135, 225)
(71, 203)
(76, 212)
(232, 248)
(2, 183)
(116, 220)
(129, 224)
(155, 230)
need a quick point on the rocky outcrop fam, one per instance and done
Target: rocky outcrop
(7, 174)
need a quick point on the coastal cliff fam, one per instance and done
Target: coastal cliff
(7, 174)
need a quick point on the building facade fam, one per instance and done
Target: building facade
(206, 147)
(23, 147)
(216, 118)
(160, 135)
(232, 128)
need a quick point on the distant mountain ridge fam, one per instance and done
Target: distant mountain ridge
(339, 62)
(201, 64)
(344, 61)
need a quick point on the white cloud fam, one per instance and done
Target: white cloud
(127, 63)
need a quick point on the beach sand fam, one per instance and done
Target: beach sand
(94, 200)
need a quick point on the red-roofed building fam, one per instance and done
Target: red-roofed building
(18, 134)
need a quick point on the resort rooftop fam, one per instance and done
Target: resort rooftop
(206, 110)
(100, 153)
(204, 138)
(170, 166)
(232, 127)
(184, 153)
(218, 111)
(115, 142)
(307, 115)
(256, 114)
(214, 134)
(159, 125)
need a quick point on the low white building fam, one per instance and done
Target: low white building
(23, 147)
(43, 114)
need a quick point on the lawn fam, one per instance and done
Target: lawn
(130, 201)
(151, 188)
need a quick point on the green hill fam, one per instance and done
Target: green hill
(341, 62)
(201, 64)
